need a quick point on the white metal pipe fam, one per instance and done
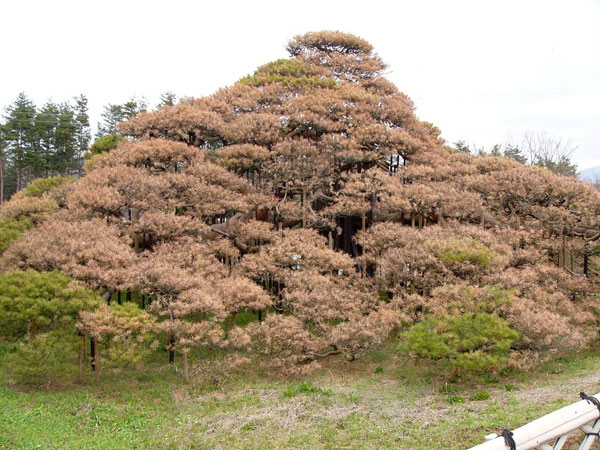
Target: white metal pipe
(547, 428)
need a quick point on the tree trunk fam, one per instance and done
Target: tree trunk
(1, 180)
(347, 233)
(18, 178)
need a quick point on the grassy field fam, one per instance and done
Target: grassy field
(379, 401)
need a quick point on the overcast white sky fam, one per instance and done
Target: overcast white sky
(482, 71)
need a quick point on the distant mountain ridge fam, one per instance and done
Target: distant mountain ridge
(591, 174)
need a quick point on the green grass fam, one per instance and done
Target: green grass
(304, 387)
(344, 405)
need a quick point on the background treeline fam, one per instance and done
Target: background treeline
(536, 148)
(51, 140)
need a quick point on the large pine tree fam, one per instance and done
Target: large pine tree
(19, 134)
(263, 181)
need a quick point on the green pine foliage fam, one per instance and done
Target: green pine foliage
(10, 230)
(103, 144)
(42, 142)
(39, 187)
(113, 114)
(466, 250)
(488, 299)
(33, 302)
(290, 73)
(44, 358)
(468, 342)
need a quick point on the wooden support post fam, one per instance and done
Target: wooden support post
(561, 250)
(81, 357)
(566, 252)
(186, 370)
(364, 221)
(171, 348)
(119, 301)
(93, 353)
(330, 240)
(571, 263)
(303, 207)
(97, 370)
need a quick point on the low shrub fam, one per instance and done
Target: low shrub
(39, 302)
(468, 342)
(44, 357)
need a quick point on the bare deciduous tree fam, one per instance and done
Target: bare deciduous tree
(550, 151)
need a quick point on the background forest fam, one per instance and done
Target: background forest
(302, 213)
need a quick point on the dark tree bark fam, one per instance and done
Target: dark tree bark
(171, 349)
(93, 353)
